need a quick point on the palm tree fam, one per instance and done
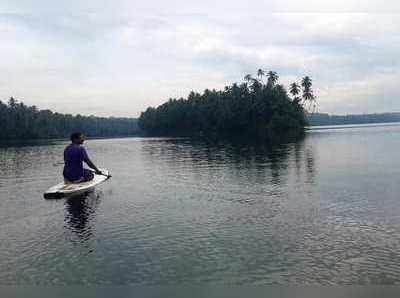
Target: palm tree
(248, 78)
(260, 73)
(272, 78)
(295, 90)
(306, 83)
(256, 85)
(308, 95)
(12, 102)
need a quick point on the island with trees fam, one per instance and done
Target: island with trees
(259, 107)
(21, 122)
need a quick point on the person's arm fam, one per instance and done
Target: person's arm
(89, 162)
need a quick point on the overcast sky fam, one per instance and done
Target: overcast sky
(115, 58)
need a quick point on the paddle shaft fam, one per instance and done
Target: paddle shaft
(108, 176)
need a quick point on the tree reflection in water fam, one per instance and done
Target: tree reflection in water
(251, 163)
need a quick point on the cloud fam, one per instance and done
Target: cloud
(206, 6)
(377, 94)
(97, 58)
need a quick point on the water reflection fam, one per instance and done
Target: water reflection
(80, 214)
(310, 165)
(322, 210)
(257, 162)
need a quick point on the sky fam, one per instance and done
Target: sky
(116, 58)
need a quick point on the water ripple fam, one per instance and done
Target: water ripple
(180, 211)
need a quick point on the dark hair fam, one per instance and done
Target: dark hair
(75, 136)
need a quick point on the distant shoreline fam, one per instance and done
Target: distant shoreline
(47, 140)
(307, 128)
(355, 125)
(323, 119)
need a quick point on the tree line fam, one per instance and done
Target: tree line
(19, 121)
(326, 119)
(257, 107)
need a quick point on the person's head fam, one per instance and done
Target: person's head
(77, 138)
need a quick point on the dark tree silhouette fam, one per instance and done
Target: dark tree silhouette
(18, 121)
(295, 90)
(272, 78)
(260, 74)
(251, 109)
(248, 78)
(308, 95)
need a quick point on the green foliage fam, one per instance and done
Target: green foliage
(251, 109)
(18, 121)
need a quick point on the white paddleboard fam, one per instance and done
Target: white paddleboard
(62, 189)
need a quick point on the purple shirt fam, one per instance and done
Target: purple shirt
(74, 155)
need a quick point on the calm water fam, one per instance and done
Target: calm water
(323, 210)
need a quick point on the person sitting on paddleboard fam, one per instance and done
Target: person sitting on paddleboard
(74, 156)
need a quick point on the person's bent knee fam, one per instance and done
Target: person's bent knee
(88, 175)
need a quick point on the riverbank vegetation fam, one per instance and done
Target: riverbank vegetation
(259, 107)
(326, 119)
(19, 121)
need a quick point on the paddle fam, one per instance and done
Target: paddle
(108, 176)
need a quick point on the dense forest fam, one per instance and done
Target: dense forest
(326, 119)
(258, 107)
(19, 121)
